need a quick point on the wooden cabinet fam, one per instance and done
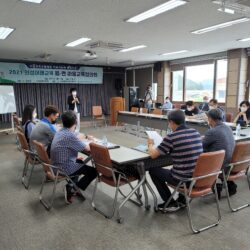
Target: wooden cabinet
(116, 104)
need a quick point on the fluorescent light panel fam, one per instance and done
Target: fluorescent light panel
(227, 10)
(244, 39)
(220, 26)
(133, 48)
(174, 53)
(33, 1)
(78, 42)
(172, 4)
(5, 32)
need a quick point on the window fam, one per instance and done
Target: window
(221, 80)
(154, 91)
(199, 82)
(195, 82)
(177, 84)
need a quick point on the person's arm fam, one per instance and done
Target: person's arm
(69, 100)
(208, 139)
(77, 100)
(164, 148)
(78, 145)
(196, 111)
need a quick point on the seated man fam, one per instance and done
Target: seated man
(213, 104)
(44, 130)
(219, 137)
(64, 151)
(168, 104)
(191, 109)
(184, 145)
(204, 106)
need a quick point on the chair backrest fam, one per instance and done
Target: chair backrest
(157, 112)
(42, 154)
(177, 105)
(23, 142)
(208, 163)
(97, 111)
(134, 109)
(101, 158)
(144, 110)
(229, 117)
(241, 153)
(16, 120)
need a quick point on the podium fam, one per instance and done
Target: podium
(116, 104)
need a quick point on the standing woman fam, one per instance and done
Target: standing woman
(74, 104)
(243, 117)
(28, 120)
(148, 99)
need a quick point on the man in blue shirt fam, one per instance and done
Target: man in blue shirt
(168, 104)
(64, 152)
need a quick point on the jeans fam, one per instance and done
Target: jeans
(89, 173)
(159, 177)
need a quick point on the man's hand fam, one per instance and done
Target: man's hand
(81, 137)
(150, 142)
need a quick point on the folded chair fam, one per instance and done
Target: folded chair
(51, 173)
(110, 176)
(202, 182)
(97, 115)
(238, 168)
(30, 159)
(17, 125)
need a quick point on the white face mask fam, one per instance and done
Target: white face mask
(34, 115)
(74, 93)
(167, 100)
(205, 101)
(189, 108)
(211, 107)
(243, 109)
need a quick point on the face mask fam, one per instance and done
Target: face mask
(243, 109)
(211, 107)
(189, 109)
(205, 101)
(34, 115)
(167, 100)
(74, 93)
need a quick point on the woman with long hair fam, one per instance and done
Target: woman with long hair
(243, 117)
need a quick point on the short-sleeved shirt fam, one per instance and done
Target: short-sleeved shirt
(27, 128)
(220, 138)
(184, 145)
(42, 133)
(64, 151)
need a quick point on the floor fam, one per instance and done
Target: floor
(25, 224)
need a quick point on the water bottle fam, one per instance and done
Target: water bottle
(104, 140)
(238, 130)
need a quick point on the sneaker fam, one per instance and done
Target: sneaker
(68, 194)
(232, 188)
(172, 206)
(181, 201)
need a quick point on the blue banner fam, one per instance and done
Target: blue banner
(49, 73)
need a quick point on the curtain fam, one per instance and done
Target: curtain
(41, 95)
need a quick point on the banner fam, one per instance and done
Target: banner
(49, 73)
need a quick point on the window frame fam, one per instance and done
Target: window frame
(214, 62)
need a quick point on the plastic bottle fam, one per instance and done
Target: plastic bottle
(104, 140)
(238, 130)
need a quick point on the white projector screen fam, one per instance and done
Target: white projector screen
(7, 100)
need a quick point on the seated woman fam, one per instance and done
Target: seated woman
(28, 120)
(243, 117)
(191, 109)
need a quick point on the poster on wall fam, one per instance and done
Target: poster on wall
(49, 73)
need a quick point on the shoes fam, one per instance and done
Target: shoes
(181, 201)
(172, 206)
(68, 194)
(80, 195)
(232, 188)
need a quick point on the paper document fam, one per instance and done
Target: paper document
(155, 136)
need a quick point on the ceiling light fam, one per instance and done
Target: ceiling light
(220, 26)
(33, 1)
(174, 53)
(5, 32)
(157, 10)
(133, 48)
(78, 42)
(244, 39)
(226, 10)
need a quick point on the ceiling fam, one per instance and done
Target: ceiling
(46, 28)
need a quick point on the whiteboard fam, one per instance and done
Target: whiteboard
(7, 100)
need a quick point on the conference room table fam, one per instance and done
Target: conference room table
(126, 159)
(161, 122)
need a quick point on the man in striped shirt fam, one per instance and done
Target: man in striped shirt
(184, 145)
